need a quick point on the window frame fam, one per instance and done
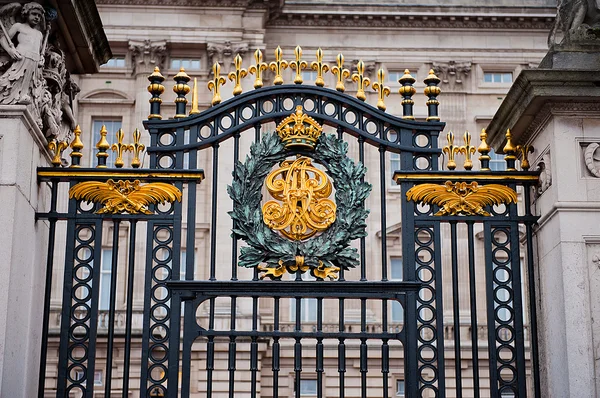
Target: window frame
(396, 304)
(95, 136)
(189, 60)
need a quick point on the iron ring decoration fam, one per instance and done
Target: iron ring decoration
(325, 254)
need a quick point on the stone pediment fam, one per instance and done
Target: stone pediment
(103, 96)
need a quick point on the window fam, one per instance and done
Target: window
(394, 164)
(79, 375)
(497, 162)
(308, 306)
(308, 387)
(309, 75)
(112, 126)
(186, 63)
(396, 275)
(105, 272)
(400, 388)
(394, 76)
(498, 77)
(116, 62)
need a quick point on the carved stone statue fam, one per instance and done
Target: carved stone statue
(579, 20)
(21, 75)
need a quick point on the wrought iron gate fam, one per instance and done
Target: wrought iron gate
(202, 316)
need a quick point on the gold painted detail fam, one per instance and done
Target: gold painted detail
(361, 80)
(381, 89)
(120, 148)
(320, 67)
(341, 73)
(278, 66)
(523, 151)
(321, 271)
(468, 151)
(237, 75)
(462, 198)
(102, 147)
(298, 65)
(509, 150)
(137, 148)
(451, 150)
(76, 147)
(304, 191)
(57, 148)
(195, 110)
(484, 150)
(125, 196)
(258, 69)
(215, 84)
(299, 130)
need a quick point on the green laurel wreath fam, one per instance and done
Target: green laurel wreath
(266, 246)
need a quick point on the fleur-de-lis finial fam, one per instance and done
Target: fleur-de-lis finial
(451, 151)
(484, 150)
(468, 151)
(298, 65)
(76, 147)
(341, 73)
(258, 68)
(57, 147)
(102, 147)
(383, 90)
(524, 150)
(237, 75)
(361, 80)
(215, 84)
(120, 148)
(137, 148)
(278, 66)
(320, 67)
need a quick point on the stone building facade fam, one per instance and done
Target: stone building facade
(476, 48)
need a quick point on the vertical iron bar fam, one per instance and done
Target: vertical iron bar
(341, 349)
(473, 298)
(210, 349)
(232, 348)
(276, 349)
(111, 308)
(319, 349)
(385, 349)
(213, 219)
(363, 242)
(532, 297)
(298, 350)
(491, 322)
(234, 243)
(147, 298)
(457, 356)
(382, 185)
(363, 349)
(48, 288)
(254, 348)
(129, 310)
(340, 134)
(439, 308)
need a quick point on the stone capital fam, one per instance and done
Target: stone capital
(452, 73)
(146, 54)
(225, 52)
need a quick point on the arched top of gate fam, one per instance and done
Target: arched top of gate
(272, 104)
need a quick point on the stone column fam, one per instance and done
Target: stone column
(558, 112)
(23, 248)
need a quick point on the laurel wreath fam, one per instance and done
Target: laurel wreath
(331, 248)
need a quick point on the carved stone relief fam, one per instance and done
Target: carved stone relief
(224, 53)
(591, 156)
(452, 73)
(33, 70)
(147, 54)
(544, 166)
(370, 67)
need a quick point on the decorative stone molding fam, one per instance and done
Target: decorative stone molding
(544, 165)
(591, 157)
(223, 53)
(147, 54)
(452, 73)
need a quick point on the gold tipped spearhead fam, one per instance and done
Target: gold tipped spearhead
(298, 65)
(278, 66)
(383, 90)
(120, 148)
(361, 80)
(237, 75)
(57, 148)
(258, 69)
(468, 151)
(320, 67)
(215, 85)
(195, 110)
(137, 148)
(340, 73)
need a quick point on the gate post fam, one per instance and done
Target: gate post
(22, 250)
(556, 109)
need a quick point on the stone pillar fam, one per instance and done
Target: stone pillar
(23, 248)
(558, 112)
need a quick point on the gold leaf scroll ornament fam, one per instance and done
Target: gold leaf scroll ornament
(303, 191)
(461, 198)
(125, 196)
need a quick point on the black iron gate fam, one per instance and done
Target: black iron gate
(208, 328)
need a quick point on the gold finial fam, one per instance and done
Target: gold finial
(156, 89)
(432, 91)
(137, 148)
(181, 88)
(215, 84)
(278, 66)
(510, 151)
(120, 148)
(258, 68)
(102, 147)
(298, 65)
(383, 91)
(361, 80)
(57, 147)
(407, 91)
(76, 147)
(484, 150)
(467, 150)
(237, 75)
(320, 67)
(299, 130)
(451, 151)
(341, 73)
(523, 151)
(195, 110)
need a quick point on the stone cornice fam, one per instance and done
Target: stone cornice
(179, 3)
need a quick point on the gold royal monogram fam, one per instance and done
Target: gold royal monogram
(304, 191)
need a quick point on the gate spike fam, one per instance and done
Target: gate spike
(432, 91)
(237, 75)
(451, 150)
(523, 151)
(341, 73)
(278, 66)
(120, 148)
(137, 148)
(407, 91)
(258, 69)
(383, 90)
(361, 80)
(215, 84)
(484, 150)
(181, 88)
(57, 147)
(510, 151)
(320, 67)
(467, 150)
(102, 147)
(298, 65)
(156, 89)
(194, 110)
(76, 147)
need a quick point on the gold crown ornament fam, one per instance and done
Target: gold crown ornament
(299, 130)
